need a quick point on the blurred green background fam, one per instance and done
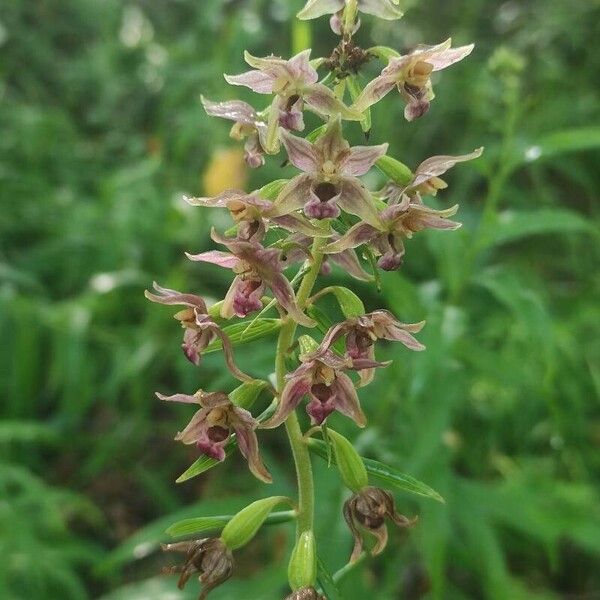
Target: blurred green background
(101, 131)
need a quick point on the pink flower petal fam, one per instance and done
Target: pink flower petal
(248, 445)
(216, 257)
(318, 8)
(449, 57)
(438, 165)
(347, 401)
(324, 102)
(362, 158)
(356, 200)
(257, 81)
(384, 9)
(359, 234)
(293, 196)
(233, 110)
(300, 152)
(295, 389)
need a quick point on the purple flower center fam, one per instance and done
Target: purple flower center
(247, 299)
(217, 434)
(325, 191)
(321, 205)
(322, 403)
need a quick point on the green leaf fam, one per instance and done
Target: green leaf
(561, 142)
(199, 525)
(394, 170)
(385, 474)
(515, 225)
(326, 581)
(240, 333)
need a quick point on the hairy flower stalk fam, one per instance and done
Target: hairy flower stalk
(285, 238)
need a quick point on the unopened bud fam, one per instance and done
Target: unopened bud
(302, 569)
(244, 526)
(398, 172)
(350, 464)
(307, 345)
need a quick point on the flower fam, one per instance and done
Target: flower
(307, 593)
(297, 248)
(330, 178)
(362, 332)
(252, 214)
(294, 83)
(256, 268)
(426, 179)
(384, 9)
(211, 428)
(200, 329)
(411, 75)
(247, 125)
(210, 557)
(368, 509)
(397, 222)
(321, 377)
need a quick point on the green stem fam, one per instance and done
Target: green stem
(306, 502)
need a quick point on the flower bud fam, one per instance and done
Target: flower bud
(244, 526)
(302, 569)
(350, 464)
(210, 557)
(307, 345)
(398, 172)
(307, 593)
(368, 509)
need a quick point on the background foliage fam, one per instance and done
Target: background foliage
(101, 133)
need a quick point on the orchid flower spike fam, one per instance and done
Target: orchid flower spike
(200, 329)
(411, 74)
(362, 332)
(329, 181)
(253, 215)
(294, 83)
(212, 426)
(321, 377)
(256, 268)
(398, 221)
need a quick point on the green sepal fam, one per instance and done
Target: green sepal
(394, 170)
(198, 525)
(302, 568)
(245, 524)
(349, 462)
(384, 473)
(306, 344)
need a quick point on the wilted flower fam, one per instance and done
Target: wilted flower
(397, 222)
(247, 125)
(253, 215)
(200, 329)
(384, 9)
(368, 509)
(211, 427)
(330, 179)
(307, 593)
(321, 377)
(210, 557)
(295, 83)
(411, 75)
(426, 180)
(362, 332)
(256, 268)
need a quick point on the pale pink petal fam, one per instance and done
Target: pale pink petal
(298, 223)
(173, 297)
(302, 69)
(359, 234)
(184, 398)
(356, 200)
(324, 102)
(216, 257)
(331, 145)
(228, 352)
(438, 165)
(195, 428)
(219, 201)
(318, 8)
(347, 401)
(233, 110)
(248, 445)
(300, 152)
(362, 158)
(384, 9)
(333, 335)
(416, 108)
(293, 196)
(348, 261)
(283, 292)
(375, 90)
(257, 81)
(295, 389)
(450, 56)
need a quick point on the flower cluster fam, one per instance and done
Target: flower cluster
(285, 235)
